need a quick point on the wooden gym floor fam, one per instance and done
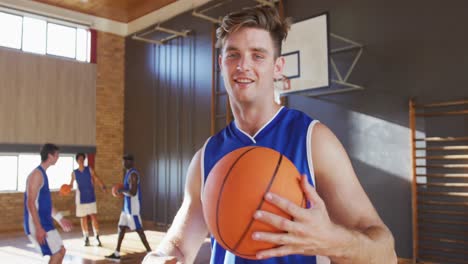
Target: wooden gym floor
(15, 247)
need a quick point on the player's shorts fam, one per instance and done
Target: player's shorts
(86, 209)
(133, 222)
(53, 243)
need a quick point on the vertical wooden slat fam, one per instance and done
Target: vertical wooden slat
(228, 110)
(412, 125)
(213, 84)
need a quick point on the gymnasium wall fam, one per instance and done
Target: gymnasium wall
(110, 83)
(412, 49)
(39, 98)
(108, 105)
(167, 108)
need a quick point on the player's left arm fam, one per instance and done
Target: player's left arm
(341, 223)
(97, 179)
(133, 186)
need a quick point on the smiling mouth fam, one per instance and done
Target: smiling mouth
(243, 81)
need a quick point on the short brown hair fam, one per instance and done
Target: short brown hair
(263, 17)
(46, 149)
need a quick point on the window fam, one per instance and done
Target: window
(61, 40)
(82, 52)
(17, 167)
(9, 171)
(10, 30)
(34, 35)
(39, 35)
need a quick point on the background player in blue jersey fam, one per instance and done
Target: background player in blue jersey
(130, 216)
(39, 212)
(85, 198)
(341, 225)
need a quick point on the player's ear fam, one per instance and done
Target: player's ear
(278, 68)
(220, 62)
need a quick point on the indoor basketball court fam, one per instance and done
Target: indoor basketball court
(109, 108)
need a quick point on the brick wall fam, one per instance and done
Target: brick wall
(109, 140)
(109, 119)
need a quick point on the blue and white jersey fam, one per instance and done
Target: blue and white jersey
(85, 191)
(132, 203)
(288, 132)
(43, 205)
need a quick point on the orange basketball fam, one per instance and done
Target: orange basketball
(116, 188)
(235, 190)
(65, 189)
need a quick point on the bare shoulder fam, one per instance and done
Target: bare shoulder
(193, 183)
(327, 150)
(35, 174)
(34, 179)
(337, 183)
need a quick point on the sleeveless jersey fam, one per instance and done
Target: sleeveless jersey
(288, 132)
(132, 203)
(85, 190)
(43, 204)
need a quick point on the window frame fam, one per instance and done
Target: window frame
(17, 154)
(76, 26)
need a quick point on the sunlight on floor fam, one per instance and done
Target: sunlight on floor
(77, 253)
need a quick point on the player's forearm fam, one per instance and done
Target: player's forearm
(373, 245)
(170, 247)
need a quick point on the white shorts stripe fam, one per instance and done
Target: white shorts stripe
(53, 243)
(128, 220)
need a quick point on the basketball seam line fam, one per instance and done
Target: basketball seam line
(219, 195)
(261, 203)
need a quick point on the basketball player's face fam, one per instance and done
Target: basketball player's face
(80, 161)
(54, 157)
(248, 65)
(128, 164)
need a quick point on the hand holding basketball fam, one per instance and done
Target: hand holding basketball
(309, 232)
(234, 191)
(65, 189)
(116, 188)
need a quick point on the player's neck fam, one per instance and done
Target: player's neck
(251, 118)
(45, 165)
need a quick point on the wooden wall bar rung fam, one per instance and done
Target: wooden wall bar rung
(443, 184)
(444, 203)
(448, 113)
(443, 231)
(441, 104)
(442, 139)
(444, 157)
(443, 166)
(444, 175)
(427, 257)
(444, 148)
(414, 187)
(444, 240)
(432, 240)
(449, 222)
(448, 250)
(448, 194)
(442, 212)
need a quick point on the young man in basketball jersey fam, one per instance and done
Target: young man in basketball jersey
(340, 226)
(85, 198)
(130, 216)
(39, 212)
